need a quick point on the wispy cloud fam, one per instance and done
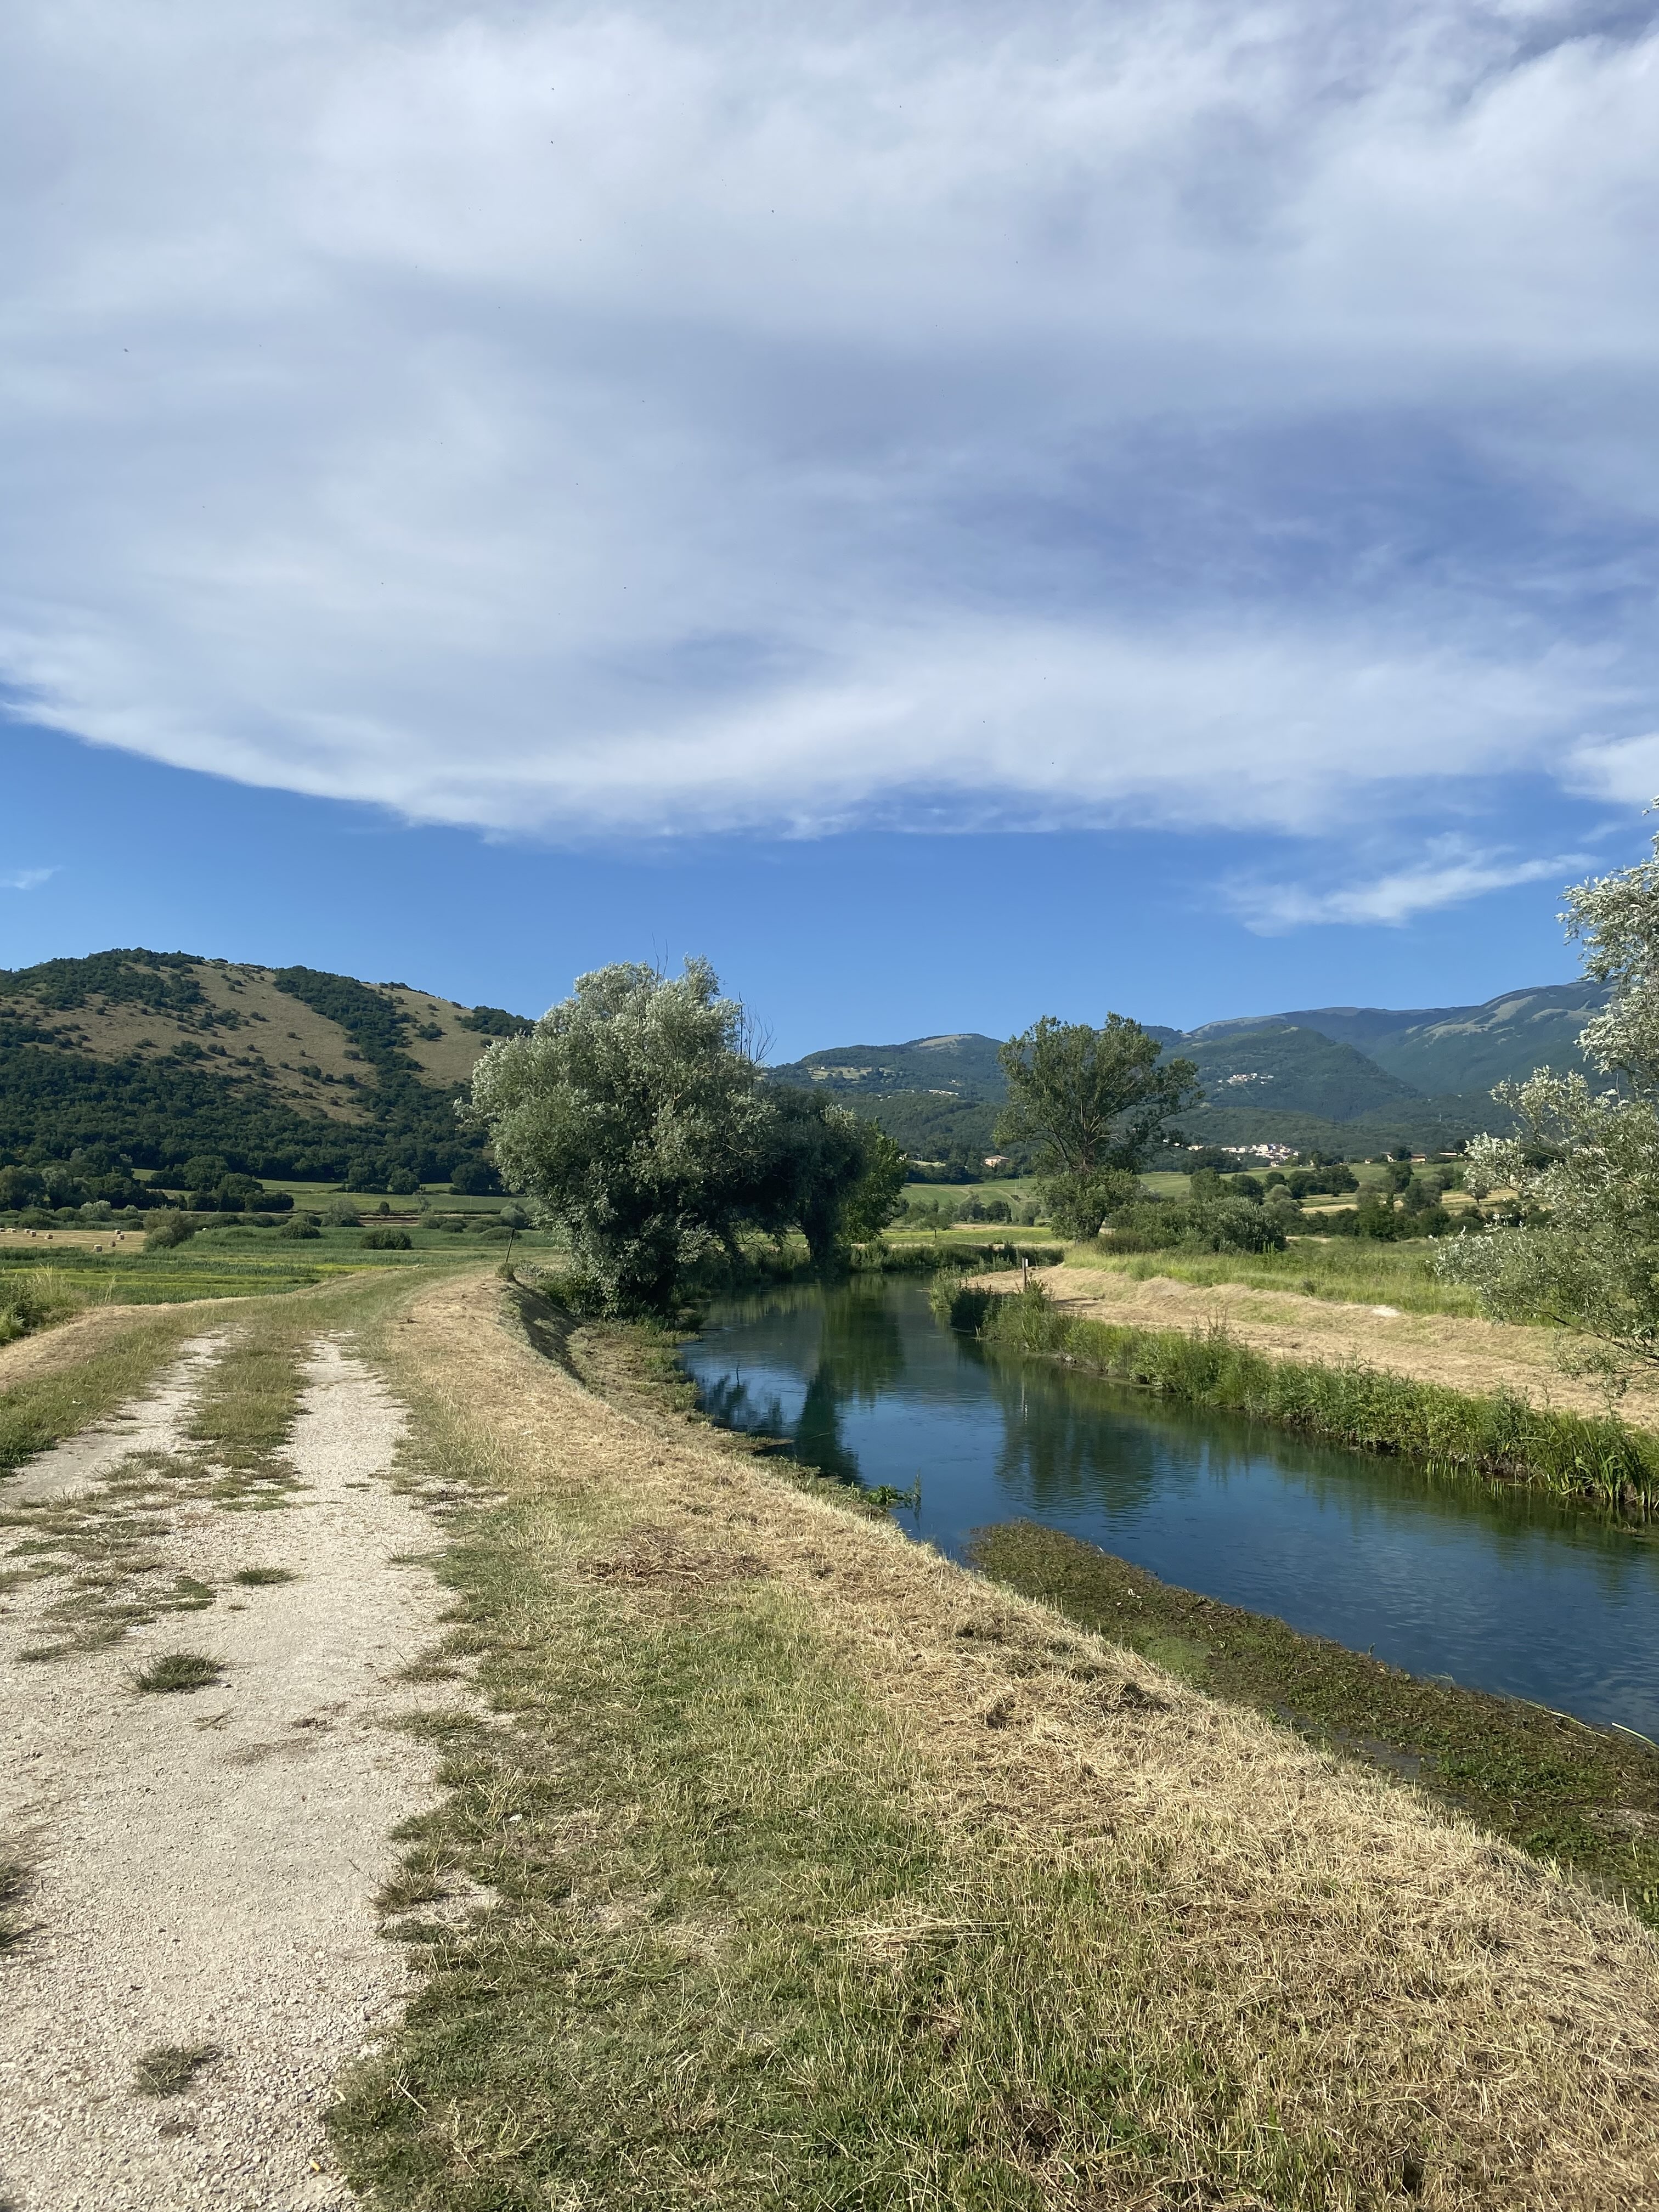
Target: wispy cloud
(627, 418)
(24, 879)
(1448, 872)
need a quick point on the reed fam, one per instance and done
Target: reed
(1499, 1436)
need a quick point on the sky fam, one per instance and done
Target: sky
(954, 512)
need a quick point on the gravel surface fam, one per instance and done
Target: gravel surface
(204, 1866)
(149, 1424)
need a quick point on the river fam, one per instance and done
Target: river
(1496, 1589)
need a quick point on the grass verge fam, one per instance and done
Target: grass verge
(1354, 1272)
(1586, 1798)
(805, 1870)
(1499, 1436)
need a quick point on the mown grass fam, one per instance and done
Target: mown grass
(744, 1891)
(1356, 1271)
(1499, 1436)
(731, 1957)
(1586, 1798)
(41, 1411)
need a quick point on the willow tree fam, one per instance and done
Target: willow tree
(1584, 1160)
(635, 1114)
(1094, 1102)
(632, 1114)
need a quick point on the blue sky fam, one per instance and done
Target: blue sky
(954, 512)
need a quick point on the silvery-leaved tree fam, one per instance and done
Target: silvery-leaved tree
(633, 1114)
(1583, 1161)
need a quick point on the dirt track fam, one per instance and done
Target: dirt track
(203, 1867)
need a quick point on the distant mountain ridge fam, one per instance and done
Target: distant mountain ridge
(1321, 1075)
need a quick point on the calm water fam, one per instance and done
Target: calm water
(1495, 1588)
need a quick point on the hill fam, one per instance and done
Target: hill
(160, 1056)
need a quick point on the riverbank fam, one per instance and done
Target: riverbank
(772, 1859)
(1476, 1356)
(1586, 1798)
(824, 1874)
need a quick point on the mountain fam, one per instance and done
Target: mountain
(1353, 1078)
(282, 1071)
(1440, 1049)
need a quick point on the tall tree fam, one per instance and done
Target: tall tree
(1094, 1102)
(632, 1113)
(1584, 1163)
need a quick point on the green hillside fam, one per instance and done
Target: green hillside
(1440, 1050)
(959, 1066)
(157, 1057)
(1292, 1071)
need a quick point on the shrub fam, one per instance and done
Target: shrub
(299, 1229)
(168, 1230)
(385, 1240)
(402, 1183)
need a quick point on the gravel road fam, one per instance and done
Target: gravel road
(203, 1866)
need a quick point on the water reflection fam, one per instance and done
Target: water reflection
(1506, 1590)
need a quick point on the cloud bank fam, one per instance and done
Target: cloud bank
(617, 420)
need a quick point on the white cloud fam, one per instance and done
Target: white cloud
(1450, 872)
(24, 879)
(619, 419)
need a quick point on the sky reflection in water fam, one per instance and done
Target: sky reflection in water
(1496, 1589)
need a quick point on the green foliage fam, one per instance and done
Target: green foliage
(165, 1230)
(299, 1232)
(165, 981)
(386, 1240)
(1094, 1102)
(1348, 1406)
(1499, 1434)
(877, 1197)
(631, 1112)
(1210, 1221)
(492, 1021)
(35, 1300)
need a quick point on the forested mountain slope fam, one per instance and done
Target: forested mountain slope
(1353, 1077)
(159, 1056)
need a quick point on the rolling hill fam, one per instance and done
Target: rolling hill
(160, 1056)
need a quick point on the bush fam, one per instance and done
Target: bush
(31, 1301)
(402, 1183)
(385, 1240)
(299, 1229)
(168, 1230)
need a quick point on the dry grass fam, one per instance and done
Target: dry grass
(1480, 1358)
(831, 1875)
(170, 2068)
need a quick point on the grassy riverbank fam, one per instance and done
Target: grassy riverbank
(1500, 1436)
(1586, 1798)
(1351, 1270)
(782, 1863)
